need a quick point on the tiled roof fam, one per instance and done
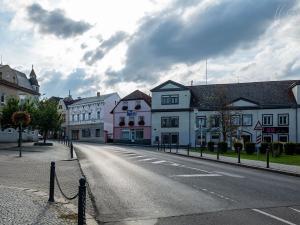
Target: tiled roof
(265, 94)
(138, 95)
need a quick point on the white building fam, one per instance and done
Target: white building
(89, 119)
(180, 114)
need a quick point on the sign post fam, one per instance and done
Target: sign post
(258, 128)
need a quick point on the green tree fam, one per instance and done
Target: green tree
(47, 118)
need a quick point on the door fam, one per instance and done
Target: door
(132, 135)
(75, 134)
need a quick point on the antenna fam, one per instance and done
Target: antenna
(206, 71)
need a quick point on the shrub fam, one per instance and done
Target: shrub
(238, 145)
(222, 147)
(263, 147)
(277, 149)
(250, 148)
(210, 146)
(290, 148)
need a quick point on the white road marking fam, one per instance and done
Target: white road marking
(197, 175)
(193, 168)
(229, 174)
(274, 217)
(297, 210)
(158, 162)
(175, 164)
(134, 157)
(149, 159)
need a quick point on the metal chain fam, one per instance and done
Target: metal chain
(63, 194)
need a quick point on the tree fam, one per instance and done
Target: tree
(47, 118)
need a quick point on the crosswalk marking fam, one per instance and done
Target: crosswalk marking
(149, 159)
(229, 174)
(135, 157)
(158, 162)
(274, 217)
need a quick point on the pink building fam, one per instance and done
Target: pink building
(132, 119)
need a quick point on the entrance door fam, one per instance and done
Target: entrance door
(132, 135)
(75, 134)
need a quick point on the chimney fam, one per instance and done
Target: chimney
(98, 94)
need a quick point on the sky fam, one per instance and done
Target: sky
(120, 46)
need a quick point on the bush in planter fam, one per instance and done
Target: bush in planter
(222, 147)
(125, 107)
(141, 122)
(263, 147)
(131, 123)
(290, 148)
(122, 123)
(250, 148)
(210, 146)
(138, 106)
(237, 145)
(277, 149)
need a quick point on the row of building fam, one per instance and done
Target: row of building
(178, 114)
(173, 114)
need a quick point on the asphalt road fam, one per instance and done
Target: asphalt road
(134, 185)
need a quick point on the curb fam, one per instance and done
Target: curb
(240, 165)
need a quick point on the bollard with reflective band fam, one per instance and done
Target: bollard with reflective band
(81, 202)
(268, 157)
(52, 179)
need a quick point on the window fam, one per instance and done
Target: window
(122, 119)
(267, 119)
(236, 120)
(2, 98)
(60, 106)
(200, 120)
(98, 115)
(247, 119)
(125, 134)
(139, 134)
(267, 138)
(98, 133)
(73, 117)
(170, 121)
(1, 76)
(283, 119)
(90, 115)
(215, 121)
(170, 99)
(83, 116)
(131, 118)
(141, 118)
(283, 138)
(63, 118)
(78, 117)
(169, 138)
(86, 132)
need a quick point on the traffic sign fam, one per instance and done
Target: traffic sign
(258, 126)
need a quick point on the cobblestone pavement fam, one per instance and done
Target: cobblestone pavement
(18, 205)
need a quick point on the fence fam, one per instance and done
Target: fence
(81, 194)
(187, 148)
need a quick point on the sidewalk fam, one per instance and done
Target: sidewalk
(24, 186)
(274, 167)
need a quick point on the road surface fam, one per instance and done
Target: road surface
(136, 185)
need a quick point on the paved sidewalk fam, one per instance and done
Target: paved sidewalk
(24, 185)
(274, 167)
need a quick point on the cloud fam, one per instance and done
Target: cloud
(90, 57)
(55, 22)
(191, 32)
(78, 82)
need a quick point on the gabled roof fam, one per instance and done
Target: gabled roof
(138, 95)
(243, 99)
(179, 87)
(265, 94)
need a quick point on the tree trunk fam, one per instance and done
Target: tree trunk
(45, 135)
(20, 135)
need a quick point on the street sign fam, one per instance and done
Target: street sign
(258, 126)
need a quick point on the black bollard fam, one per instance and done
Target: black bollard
(201, 150)
(268, 156)
(157, 146)
(52, 179)
(81, 202)
(218, 154)
(239, 154)
(188, 149)
(71, 150)
(164, 147)
(170, 148)
(177, 146)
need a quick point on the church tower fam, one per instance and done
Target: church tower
(33, 81)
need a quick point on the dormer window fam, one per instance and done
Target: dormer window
(137, 105)
(170, 99)
(125, 106)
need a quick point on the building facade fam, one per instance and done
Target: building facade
(257, 112)
(132, 119)
(16, 84)
(89, 119)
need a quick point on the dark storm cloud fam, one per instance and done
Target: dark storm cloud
(55, 22)
(90, 57)
(166, 38)
(56, 85)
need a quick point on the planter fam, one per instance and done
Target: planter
(142, 123)
(138, 107)
(121, 124)
(131, 123)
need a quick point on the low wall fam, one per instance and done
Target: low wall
(12, 135)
